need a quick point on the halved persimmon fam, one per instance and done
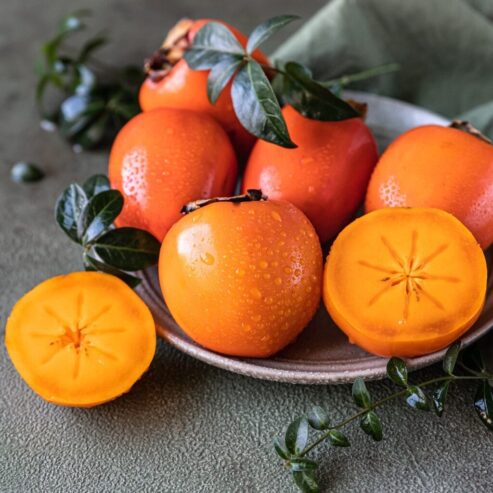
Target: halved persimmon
(405, 282)
(81, 339)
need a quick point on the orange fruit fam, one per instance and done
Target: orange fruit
(405, 282)
(81, 339)
(242, 279)
(325, 176)
(164, 158)
(171, 83)
(433, 166)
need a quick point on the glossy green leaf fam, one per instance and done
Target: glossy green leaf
(302, 464)
(439, 398)
(450, 357)
(68, 210)
(128, 249)
(318, 419)
(90, 47)
(312, 99)
(280, 448)
(23, 172)
(397, 371)
(416, 398)
(92, 264)
(213, 43)
(219, 77)
(100, 213)
(93, 134)
(371, 425)
(360, 393)
(306, 482)
(338, 439)
(256, 106)
(296, 436)
(96, 184)
(265, 30)
(73, 22)
(483, 403)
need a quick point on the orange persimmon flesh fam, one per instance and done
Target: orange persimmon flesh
(81, 339)
(405, 282)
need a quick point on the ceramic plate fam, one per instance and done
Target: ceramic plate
(322, 354)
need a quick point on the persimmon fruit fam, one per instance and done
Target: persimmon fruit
(164, 158)
(405, 282)
(325, 176)
(242, 279)
(442, 167)
(81, 339)
(171, 83)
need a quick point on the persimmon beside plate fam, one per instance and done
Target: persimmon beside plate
(322, 354)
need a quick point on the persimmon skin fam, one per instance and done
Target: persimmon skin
(434, 166)
(81, 339)
(164, 158)
(405, 282)
(185, 88)
(242, 279)
(325, 176)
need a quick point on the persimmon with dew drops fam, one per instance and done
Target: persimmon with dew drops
(242, 279)
(164, 158)
(171, 83)
(81, 339)
(325, 176)
(405, 282)
(443, 167)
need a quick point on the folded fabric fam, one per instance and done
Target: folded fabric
(444, 49)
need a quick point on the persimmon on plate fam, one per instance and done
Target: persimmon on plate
(322, 353)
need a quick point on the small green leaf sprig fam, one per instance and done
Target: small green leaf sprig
(87, 111)
(255, 102)
(294, 447)
(86, 214)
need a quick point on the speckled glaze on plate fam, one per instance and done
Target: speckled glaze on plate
(322, 354)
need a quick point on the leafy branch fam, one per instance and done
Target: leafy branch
(86, 214)
(293, 448)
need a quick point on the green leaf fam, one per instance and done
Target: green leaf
(99, 214)
(256, 106)
(338, 439)
(94, 133)
(281, 449)
(128, 249)
(23, 172)
(297, 436)
(439, 398)
(90, 47)
(450, 358)
(92, 264)
(68, 210)
(265, 30)
(305, 480)
(416, 398)
(73, 22)
(318, 419)
(212, 44)
(360, 393)
(219, 77)
(397, 371)
(483, 403)
(312, 99)
(302, 464)
(371, 425)
(96, 184)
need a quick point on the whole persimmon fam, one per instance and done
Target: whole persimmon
(164, 158)
(171, 83)
(442, 167)
(242, 279)
(325, 176)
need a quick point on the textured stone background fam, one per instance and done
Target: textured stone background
(185, 427)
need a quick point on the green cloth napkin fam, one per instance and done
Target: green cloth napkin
(444, 49)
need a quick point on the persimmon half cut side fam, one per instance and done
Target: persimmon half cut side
(405, 282)
(81, 339)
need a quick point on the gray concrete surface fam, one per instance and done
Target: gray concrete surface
(185, 427)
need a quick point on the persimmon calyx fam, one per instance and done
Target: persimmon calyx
(252, 195)
(470, 129)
